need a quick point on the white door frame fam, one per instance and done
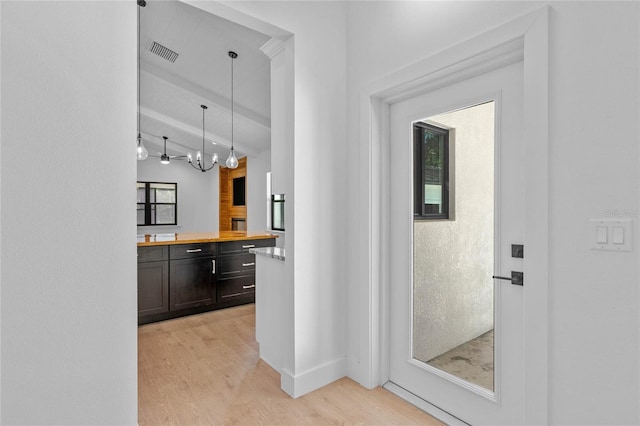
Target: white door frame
(526, 36)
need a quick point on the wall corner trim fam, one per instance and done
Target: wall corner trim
(273, 47)
(314, 378)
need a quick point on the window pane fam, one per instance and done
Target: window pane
(433, 198)
(140, 214)
(278, 212)
(140, 192)
(165, 214)
(433, 152)
(165, 196)
(160, 202)
(164, 192)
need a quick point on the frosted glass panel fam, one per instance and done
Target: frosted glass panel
(140, 214)
(163, 193)
(277, 212)
(165, 214)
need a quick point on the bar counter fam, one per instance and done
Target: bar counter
(200, 237)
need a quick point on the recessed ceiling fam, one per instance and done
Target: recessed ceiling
(171, 92)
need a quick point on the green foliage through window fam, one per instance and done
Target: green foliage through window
(431, 172)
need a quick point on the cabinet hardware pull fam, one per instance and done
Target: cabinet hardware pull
(194, 251)
(249, 264)
(245, 287)
(213, 270)
(249, 246)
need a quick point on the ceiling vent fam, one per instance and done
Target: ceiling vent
(163, 52)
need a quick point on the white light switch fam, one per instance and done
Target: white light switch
(617, 235)
(601, 234)
(610, 234)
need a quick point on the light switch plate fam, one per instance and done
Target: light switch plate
(611, 234)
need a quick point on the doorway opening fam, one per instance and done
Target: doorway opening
(164, 86)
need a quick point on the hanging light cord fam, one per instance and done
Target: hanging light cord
(139, 136)
(203, 108)
(232, 58)
(232, 160)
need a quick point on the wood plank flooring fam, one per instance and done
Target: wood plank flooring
(205, 370)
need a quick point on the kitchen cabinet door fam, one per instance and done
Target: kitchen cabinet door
(192, 283)
(153, 288)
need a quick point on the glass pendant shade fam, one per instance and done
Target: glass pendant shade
(232, 161)
(142, 151)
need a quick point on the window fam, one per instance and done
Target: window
(157, 203)
(277, 212)
(431, 172)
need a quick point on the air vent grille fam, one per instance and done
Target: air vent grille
(163, 52)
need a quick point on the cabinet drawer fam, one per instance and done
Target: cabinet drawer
(236, 247)
(153, 253)
(236, 287)
(188, 251)
(239, 264)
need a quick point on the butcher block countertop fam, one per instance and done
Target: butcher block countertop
(200, 237)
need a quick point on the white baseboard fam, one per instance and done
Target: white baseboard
(315, 378)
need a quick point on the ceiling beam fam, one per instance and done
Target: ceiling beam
(194, 131)
(203, 95)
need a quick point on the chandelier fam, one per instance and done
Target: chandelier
(200, 163)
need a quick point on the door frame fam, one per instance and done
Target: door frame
(522, 38)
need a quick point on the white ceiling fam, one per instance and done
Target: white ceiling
(171, 93)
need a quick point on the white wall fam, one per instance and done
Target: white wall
(198, 194)
(69, 343)
(257, 200)
(453, 305)
(68, 168)
(593, 162)
(316, 232)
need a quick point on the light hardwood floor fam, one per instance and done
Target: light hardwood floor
(205, 370)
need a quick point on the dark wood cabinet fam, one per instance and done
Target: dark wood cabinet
(237, 270)
(241, 287)
(192, 283)
(183, 279)
(236, 265)
(153, 280)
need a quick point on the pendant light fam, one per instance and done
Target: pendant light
(164, 159)
(200, 164)
(141, 151)
(232, 161)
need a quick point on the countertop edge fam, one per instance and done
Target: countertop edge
(219, 239)
(270, 252)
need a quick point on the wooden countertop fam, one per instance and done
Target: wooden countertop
(200, 237)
